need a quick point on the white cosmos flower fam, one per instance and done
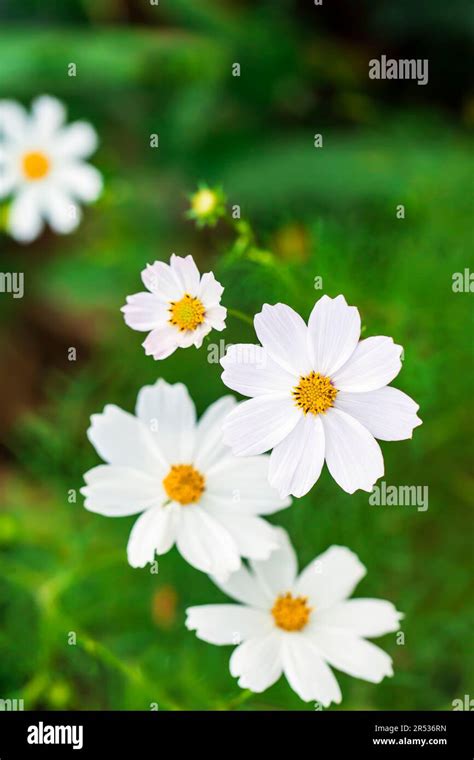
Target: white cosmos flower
(181, 308)
(299, 625)
(187, 484)
(317, 393)
(42, 167)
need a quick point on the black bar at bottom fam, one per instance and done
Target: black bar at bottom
(131, 734)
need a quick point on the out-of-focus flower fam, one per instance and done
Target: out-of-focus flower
(164, 606)
(179, 311)
(190, 488)
(207, 206)
(317, 394)
(59, 695)
(42, 166)
(292, 243)
(299, 625)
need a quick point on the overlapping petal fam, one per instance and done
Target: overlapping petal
(334, 330)
(257, 425)
(387, 413)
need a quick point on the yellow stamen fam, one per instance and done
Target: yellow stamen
(35, 165)
(203, 202)
(184, 484)
(314, 393)
(291, 613)
(187, 313)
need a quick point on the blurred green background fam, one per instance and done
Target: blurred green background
(329, 212)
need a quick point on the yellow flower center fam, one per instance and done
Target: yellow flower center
(314, 393)
(187, 313)
(203, 202)
(184, 484)
(35, 165)
(291, 613)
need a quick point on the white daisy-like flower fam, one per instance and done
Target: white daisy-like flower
(42, 166)
(187, 484)
(317, 393)
(299, 625)
(181, 308)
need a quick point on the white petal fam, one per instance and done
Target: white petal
(119, 491)
(364, 617)
(284, 335)
(227, 623)
(48, 115)
(13, 120)
(200, 333)
(210, 447)
(257, 662)
(244, 587)
(296, 463)
(330, 578)
(307, 673)
(206, 544)
(276, 575)
(334, 330)
(353, 655)
(123, 440)
(184, 338)
(240, 485)
(216, 316)
(144, 311)
(257, 425)
(153, 533)
(8, 180)
(61, 211)
(249, 369)
(387, 413)
(161, 342)
(24, 221)
(186, 273)
(159, 278)
(353, 455)
(210, 290)
(80, 180)
(374, 363)
(168, 412)
(253, 536)
(77, 140)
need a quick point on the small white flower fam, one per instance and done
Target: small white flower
(318, 393)
(181, 308)
(42, 166)
(190, 488)
(299, 625)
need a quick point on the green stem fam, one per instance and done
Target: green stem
(240, 699)
(240, 315)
